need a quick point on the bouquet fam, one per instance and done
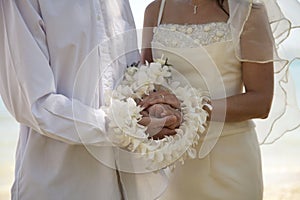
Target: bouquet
(124, 115)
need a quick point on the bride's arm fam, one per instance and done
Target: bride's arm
(257, 99)
(256, 46)
(258, 77)
(150, 20)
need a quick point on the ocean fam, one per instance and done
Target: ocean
(281, 163)
(8, 141)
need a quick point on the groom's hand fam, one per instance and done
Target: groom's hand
(163, 110)
(157, 128)
(160, 97)
(163, 133)
(161, 120)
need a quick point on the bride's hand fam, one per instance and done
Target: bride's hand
(163, 110)
(164, 132)
(160, 97)
(157, 128)
(161, 120)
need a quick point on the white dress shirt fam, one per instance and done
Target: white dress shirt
(57, 99)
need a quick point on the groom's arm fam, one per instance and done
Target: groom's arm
(27, 82)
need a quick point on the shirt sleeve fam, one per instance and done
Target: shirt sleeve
(27, 83)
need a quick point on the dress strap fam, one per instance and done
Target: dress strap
(161, 11)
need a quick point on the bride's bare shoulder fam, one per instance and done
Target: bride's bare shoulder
(154, 5)
(151, 12)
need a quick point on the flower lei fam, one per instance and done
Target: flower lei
(124, 114)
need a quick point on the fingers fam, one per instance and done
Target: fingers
(165, 112)
(158, 128)
(154, 125)
(168, 111)
(167, 121)
(159, 114)
(156, 110)
(145, 113)
(137, 101)
(160, 97)
(163, 133)
(161, 110)
(170, 120)
(178, 115)
(145, 121)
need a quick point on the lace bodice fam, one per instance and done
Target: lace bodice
(203, 56)
(199, 44)
(191, 36)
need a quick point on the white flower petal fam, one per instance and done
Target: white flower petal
(124, 115)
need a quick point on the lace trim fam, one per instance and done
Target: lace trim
(191, 35)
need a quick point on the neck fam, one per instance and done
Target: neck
(193, 2)
(196, 2)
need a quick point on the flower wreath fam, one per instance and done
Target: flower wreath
(124, 114)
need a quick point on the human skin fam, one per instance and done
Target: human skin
(258, 78)
(161, 113)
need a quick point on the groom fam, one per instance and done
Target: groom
(56, 100)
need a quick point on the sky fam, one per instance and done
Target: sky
(138, 8)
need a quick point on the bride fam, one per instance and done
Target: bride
(226, 47)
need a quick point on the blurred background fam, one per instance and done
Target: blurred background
(281, 163)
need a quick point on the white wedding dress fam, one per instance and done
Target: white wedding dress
(232, 169)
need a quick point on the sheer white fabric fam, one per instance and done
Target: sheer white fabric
(285, 113)
(212, 64)
(218, 175)
(266, 43)
(262, 44)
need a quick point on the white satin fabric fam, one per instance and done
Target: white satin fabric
(275, 30)
(220, 172)
(230, 163)
(267, 43)
(42, 46)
